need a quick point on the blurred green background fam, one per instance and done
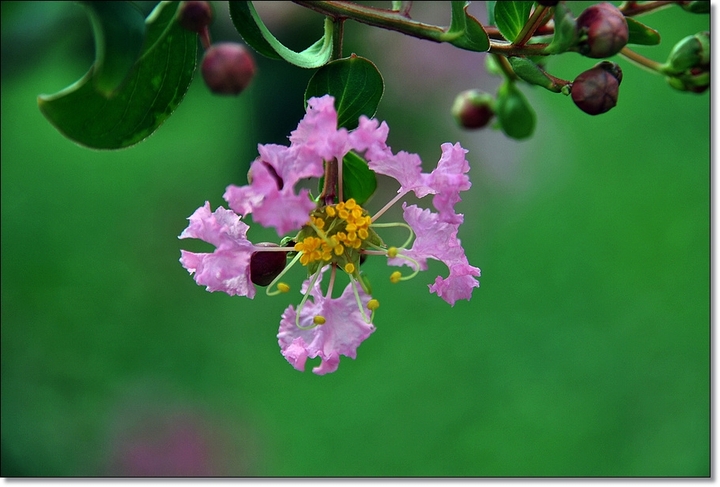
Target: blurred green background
(585, 352)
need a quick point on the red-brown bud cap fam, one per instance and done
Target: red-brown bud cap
(195, 16)
(603, 31)
(227, 68)
(595, 91)
(473, 109)
(266, 266)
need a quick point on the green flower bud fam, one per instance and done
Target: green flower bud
(697, 7)
(227, 68)
(266, 266)
(595, 91)
(603, 31)
(685, 54)
(473, 109)
(514, 112)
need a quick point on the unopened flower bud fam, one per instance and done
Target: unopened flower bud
(473, 109)
(227, 68)
(696, 7)
(692, 51)
(595, 91)
(603, 31)
(266, 266)
(195, 16)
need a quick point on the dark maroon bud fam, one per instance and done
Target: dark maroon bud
(227, 68)
(266, 266)
(195, 16)
(473, 109)
(603, 31)
(595, 91)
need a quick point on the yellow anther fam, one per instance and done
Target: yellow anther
(343, 213)
(352, 236)
(282, 287)
(330, 210)
(395, 277)
(350, 227)
(392, 252)
(349, 267)
(319, 222)
(338, 249)
(319, 320)
(350, 204)
(357, 213)
(373, 304)
(363, 233)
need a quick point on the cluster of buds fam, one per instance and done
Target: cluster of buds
(227, 68)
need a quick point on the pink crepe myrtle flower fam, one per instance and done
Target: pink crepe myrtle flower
(331, 234)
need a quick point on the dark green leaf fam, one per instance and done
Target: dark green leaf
(154, 88)
(640, 33)
(356, 85)
(119, 30)
(531, 72)
(516, 116)
(565, 30)
(359, 181)
(465, 31)
(510, 17)
(251, 27)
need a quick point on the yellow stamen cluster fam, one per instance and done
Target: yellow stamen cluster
(337, 229)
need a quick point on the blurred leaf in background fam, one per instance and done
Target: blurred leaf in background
(584, 353)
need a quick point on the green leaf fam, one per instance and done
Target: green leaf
(154, 88)
(514, 112)
(359, 181)
(531, 72)
(119, 30)
(491, 12)
(356, 84)
(565, 30)
(640, 33)
(465, 31)
(510, 17)
(252, 29)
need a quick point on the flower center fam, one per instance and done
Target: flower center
(336, 234)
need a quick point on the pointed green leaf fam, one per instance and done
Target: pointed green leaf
(154, 88)
(119, 30)
(510, 17)
(640, 33)
(465, 31)
(359, 181)
(253, 30)
(514, 112)
(531, 72)
(565, 30)
(355, 83)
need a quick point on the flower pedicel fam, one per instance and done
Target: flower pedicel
(331, 234)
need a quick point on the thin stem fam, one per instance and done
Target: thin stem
(642, 61)
(535, 21)
(338, 38)
(506, 68)
(633, 8)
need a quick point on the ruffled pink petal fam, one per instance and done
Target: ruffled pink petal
(370, 137)
(317, 136)
(447, 180)
(344, 329)
(227, 269)
(458, 285)
(438, 240)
